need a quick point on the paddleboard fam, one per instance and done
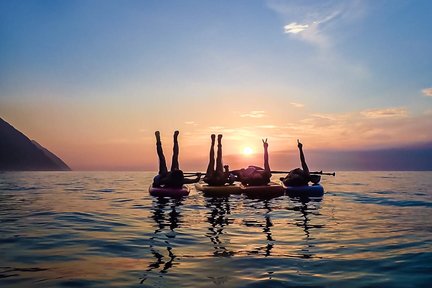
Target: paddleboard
(219, 190)
(315, 190)
(270, 190)
(169, 192)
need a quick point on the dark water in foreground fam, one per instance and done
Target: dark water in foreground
(76, 229)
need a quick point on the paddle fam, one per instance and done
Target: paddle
(315, 172)
(323, 173)
(193, 173)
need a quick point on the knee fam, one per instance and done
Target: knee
(157, 180)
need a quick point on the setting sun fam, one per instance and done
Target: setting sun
(247, 151)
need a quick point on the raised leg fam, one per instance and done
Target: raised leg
(162, 163)
(210, 167)
(174, 162)
(219, 164)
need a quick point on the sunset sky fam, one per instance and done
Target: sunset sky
(92, 80)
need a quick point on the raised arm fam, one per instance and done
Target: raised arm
(266, 156)
(302, 157)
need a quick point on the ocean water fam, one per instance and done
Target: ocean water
(102, 229)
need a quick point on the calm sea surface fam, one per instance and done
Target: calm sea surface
(102, 229)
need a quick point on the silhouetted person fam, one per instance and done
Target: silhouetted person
(220, 175)
(174, 178)
(254, 175)
(300, 177)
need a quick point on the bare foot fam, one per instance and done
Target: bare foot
(157, 134)
(176, 133)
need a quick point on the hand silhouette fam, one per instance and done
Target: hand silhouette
(265, 143)
(299, 145)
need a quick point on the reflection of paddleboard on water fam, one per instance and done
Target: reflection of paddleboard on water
(316, 190)
(166, 214)
(169, 192)
(219, 190)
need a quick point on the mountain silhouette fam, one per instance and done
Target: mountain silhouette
(19, 153)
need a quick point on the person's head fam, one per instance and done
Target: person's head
(315, 179)
(297, 172)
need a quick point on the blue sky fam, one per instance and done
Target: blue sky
(336, 74)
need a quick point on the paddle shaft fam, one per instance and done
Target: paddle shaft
(193, 173)
(315, 172)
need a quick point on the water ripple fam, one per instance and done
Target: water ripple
(102, 229)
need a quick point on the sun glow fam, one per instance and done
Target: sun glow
(247, 151)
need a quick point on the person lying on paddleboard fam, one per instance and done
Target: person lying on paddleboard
(175, 177)
(300, 177)
(254, 175)
(220, 175)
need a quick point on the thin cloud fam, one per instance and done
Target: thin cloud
(427, 92)
(254, 114)
(297, 105)
(295, 28)
(368, 128)
(399, 112)
(216, 128)
(372, 128)
(310, 22)
(314, 35)
(191, 123)
(332, 117)
(267, 126)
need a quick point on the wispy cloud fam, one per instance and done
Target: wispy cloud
(191, 123)
(312, 21)
(369, 128)
(254, 114)
(398, 112)
(216, 128)
(323, 116)
(297, 105)
(267, 126)
(427, 92)
(312, 34)
(295, 28)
